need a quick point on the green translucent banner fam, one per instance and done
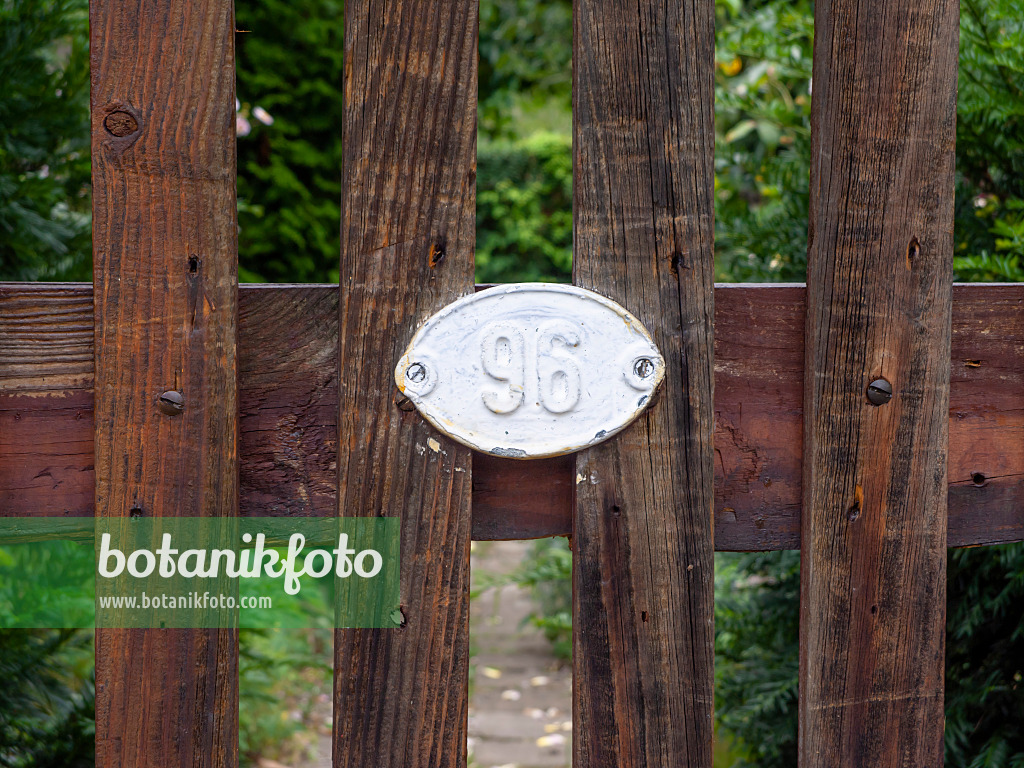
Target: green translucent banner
(194, 572)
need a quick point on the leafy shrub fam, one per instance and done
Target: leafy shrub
(985, 657)
(285, 690)
(44, 140)
(990, 143)
(524, 209)
(289, 65)
(525, 67)
(47, 700)
(757, 599)
(547, 574)
(762, 140)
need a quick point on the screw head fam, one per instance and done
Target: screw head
(416, 373)
(879, 392)
(172, 403)
(643, 368)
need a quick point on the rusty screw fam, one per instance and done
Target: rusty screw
(643, 368)
(879, 392)
(120, 124)
(171, 403)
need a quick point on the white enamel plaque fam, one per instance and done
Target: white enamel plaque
(531, 369)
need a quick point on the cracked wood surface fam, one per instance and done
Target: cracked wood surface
(166, 285)
(879, 291)
(643, 232)
(407, 243)
(287, 338)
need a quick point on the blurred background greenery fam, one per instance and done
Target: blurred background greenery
(289, 156)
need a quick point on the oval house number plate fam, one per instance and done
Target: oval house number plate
(531, 369)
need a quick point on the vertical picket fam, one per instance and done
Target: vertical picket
(408, 231)
(165, 277)
(643, 133)
(878, 312)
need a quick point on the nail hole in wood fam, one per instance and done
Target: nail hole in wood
(858, 499)
(913, 249)
(135, 512)
(979, 479)
(193, 264)
(437, 253)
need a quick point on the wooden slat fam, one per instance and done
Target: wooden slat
(288, 394)
(643, 619)
(873, 576)
(164, 249)
(407, 244)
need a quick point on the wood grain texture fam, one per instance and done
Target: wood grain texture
(407, 244)
(288, 394)
(873, 575)
(643, 619)
(165, 276)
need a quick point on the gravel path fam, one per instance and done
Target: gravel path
(520, 710)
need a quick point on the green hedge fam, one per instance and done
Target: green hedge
(524, 210)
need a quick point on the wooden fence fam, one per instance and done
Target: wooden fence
(763, 437)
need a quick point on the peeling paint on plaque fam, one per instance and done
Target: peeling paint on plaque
(530, 370)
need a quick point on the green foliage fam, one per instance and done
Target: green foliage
(525, 67)
(524, 209)
(762, 140)
(47, 700)
(985, 657)
(289, 64)
(285, 690)
(756, 654)
(757, 622)
(547, 573)
(990, 143)
(44, 140)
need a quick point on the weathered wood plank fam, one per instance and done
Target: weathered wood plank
(165, 275)
(873, 576)
(288, 396)
(407, 244)
(643, 618)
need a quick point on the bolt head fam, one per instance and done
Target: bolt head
(879, 392)
(643, 368)
(416, 373)
(172, 403)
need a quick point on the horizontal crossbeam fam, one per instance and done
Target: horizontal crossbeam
(287, 345)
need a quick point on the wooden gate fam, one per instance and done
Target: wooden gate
(271, 426)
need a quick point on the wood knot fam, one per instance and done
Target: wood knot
(120, 124)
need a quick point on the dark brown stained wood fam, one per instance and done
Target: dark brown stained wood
(165, 276)
(407, 244)
(873, 575)
(288, 397)
(522, 499)
(643, 619)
